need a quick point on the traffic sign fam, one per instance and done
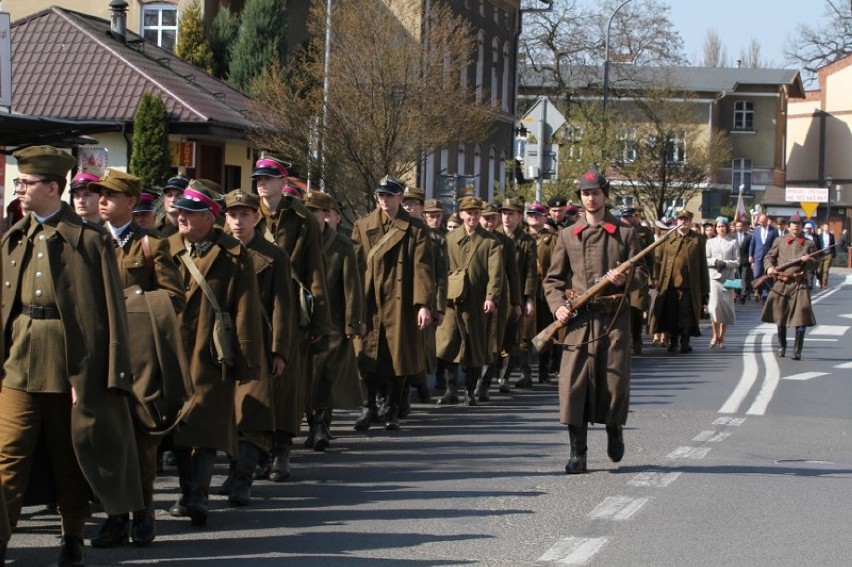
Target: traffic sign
(809, 208)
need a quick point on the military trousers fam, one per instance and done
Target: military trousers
(24, 419)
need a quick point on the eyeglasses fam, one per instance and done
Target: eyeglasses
(27, 183)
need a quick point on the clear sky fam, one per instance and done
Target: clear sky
(736, 22)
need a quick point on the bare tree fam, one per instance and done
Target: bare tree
(715, 54)
(751, 57)
(665, 152)
(813, 46)
(394, 94)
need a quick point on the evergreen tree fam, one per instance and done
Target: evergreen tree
(223, 36)
(261, 43)
(192, 44)
(150, 158)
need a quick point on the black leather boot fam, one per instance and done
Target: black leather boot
(672, 342)
(451, 397)
(370, 410)
(114, 531)
(280, 468)
(505, 373)
(483, 384)
(243, 468)
(183, 460)
(526, 371)
(471, 377)
(144, 527)
(405, 400)
(228, 483)
(684, 343)
(203, 460)
(322, 419)
(782, 341)
(544, 367)
(309, 440)
(614, 443)
(397, 389)
(577, 435)
(797, 345)
(71, 552)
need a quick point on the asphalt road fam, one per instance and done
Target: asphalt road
(733, 457)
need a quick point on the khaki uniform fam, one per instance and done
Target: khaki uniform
(789, 303)
(681, 270)
(525, 258)
(463, 336)
(336, 384)
(510, 296)
(255, 407)
(398, 280)
(227, 267)
(594, 380)
(295, 230)
(70, 266)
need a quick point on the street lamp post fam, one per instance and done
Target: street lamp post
(829, 181)
(606, 54)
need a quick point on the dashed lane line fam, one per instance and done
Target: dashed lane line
(710, 436)
(688, 452)
(574, 550)
(654, 479)
(617, 508)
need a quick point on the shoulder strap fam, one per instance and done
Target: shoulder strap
(473, 253)
(381, 241)
(146, 251)
(202, 283)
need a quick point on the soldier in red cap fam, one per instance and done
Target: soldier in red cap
(85, 200)
(594, 381)
(789, 300)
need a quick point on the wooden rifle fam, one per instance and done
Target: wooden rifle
(543, 340)
(757, 282)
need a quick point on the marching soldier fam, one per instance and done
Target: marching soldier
(335, 378)
(789, 300)
(145, 267)
(66, 373)
(545, 238)
(640, 299)
(594, 381)
(516, 348)
(255, 399)
(171, 193)
(474, 287)
(223, 338)
(395, 256)
(85, 200)
(287, 222)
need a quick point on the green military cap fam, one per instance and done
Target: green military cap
(240, 198)
(414, 193)
(513, 204)
(217, 193)
(432, 206)
(490, 209)
(467, 203)
(44, 160)
(318, 200)
(119, 182)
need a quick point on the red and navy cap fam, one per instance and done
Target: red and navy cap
(147, 201)
(537, 209)
(82, 180)
(270, 167)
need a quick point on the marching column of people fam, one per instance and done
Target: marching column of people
(190, 326)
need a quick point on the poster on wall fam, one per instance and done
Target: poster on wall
(93, 159)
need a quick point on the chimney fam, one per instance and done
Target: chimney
(118, 27)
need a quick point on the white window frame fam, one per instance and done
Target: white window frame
(676, 150)
(741, 173)
(744, 115)
(159, 8)
(506, 74)
(495, 69)
(627, 144)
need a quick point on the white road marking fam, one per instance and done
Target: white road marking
(771, 378)
(617, 508)
(809, 339)
(846, 315)
(574, 550)
(719, 437)
(831, 330)
(654, 479)
(844, 365)
(704, 436)
(748, 378)
(687, 452)
(732, 421)
(806, 376)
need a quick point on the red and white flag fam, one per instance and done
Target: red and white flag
(741, 210)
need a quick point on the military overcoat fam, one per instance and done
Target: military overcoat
(545, 242)
(91, 307)
(641, 298)
(463, 337)
(594, 380)
(510, 296)
(255, 406)
(336, 384)
(692, 246)
(227, 267)
(789, 303)
(524, 247)
(398, 281)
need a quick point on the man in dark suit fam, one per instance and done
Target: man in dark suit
(744, 239)
(762, 239)
(825, 240)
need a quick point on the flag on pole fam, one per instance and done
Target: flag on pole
(741, 210)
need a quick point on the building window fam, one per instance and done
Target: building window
(495, 70)
(480, 64)
(744, 115)
(477, 170)
(741, 175)
(506, 73)
(572, 138)
(676, 149)
(627, 144)
(160, 25)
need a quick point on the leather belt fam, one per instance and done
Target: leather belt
(40, 312)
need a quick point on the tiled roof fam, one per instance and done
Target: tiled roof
(66, 64)
(692, 79)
